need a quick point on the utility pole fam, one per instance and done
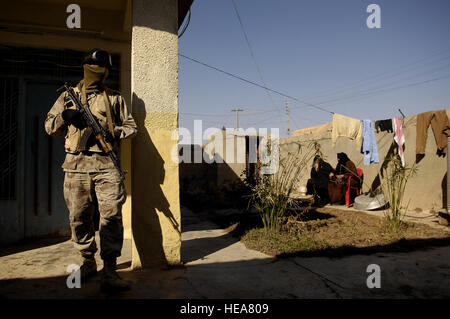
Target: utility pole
(237, 116)
(288, 119)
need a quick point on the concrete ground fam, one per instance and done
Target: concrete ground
(217, 265)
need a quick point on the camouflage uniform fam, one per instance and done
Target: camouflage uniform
(90, 176)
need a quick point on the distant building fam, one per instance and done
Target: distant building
(314, 129)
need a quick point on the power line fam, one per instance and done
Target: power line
(255, 60)
(405, 86)
(374, 93)
(381, 75)
(253, 55)
(207, 115)
(251, 112)
(386, 85)
(261, 121)
(308, 103)
(186, 25)
(254, 83)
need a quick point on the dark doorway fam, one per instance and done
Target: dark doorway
(45, 208)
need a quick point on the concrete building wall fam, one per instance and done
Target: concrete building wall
(156, 220)
(229, 151)
(424, 191)
(313, 130)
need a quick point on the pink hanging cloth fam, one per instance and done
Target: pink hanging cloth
(399, 137)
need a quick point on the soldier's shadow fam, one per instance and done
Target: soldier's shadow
(149, 200)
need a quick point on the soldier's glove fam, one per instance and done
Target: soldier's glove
(73, 117)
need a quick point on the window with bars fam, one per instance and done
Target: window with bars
(59, 65)
(9, 98)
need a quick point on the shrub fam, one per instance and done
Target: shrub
(395, 178)
(272, 195)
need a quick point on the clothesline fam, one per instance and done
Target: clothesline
(363, 132)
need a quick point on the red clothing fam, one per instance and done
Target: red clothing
(337, 188)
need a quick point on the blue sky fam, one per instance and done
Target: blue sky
(318, 51)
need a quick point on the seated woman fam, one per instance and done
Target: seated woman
(321, 172)
(345, 169)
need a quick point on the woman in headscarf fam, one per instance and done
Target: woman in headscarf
(345, 173)
(321, 172)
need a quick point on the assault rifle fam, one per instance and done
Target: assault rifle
(101, 135)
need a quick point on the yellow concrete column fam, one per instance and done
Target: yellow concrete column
(155, 218)
(125, 147)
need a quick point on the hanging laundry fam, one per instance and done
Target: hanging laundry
(369, 145)
(439, 121)
(348, 127)
(399, 137)
(384, 125)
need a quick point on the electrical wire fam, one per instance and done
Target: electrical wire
(386, 85)
(377, 92)
(254, 83)
(255, 62)
(316, 106)
(252, 54)
(207, 115)
(244, 113)
(187, 24)
(260, 122)
(379, 75)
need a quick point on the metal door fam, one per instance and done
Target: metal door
(46, 213)
(11, 221)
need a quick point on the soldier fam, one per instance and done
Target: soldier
(91, 179)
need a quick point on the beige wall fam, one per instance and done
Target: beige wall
(313, 130)
(156, 220)
(424, 190)
(233, 160)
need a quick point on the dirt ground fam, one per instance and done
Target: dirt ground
(332, 232)
(217, 265)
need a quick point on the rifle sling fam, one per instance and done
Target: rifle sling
(108, 113)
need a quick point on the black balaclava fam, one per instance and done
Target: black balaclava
(94, 78)
(343, 158)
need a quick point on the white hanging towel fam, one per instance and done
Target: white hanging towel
(348, 127)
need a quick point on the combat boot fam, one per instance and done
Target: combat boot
(111, 281)
(88, 267)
